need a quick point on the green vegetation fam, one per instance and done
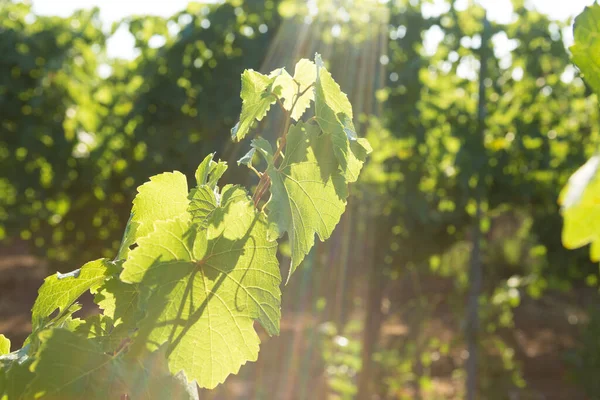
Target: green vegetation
(448, 237)
(195, 268)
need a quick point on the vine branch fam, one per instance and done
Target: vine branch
(265, 180)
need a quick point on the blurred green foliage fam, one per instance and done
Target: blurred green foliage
(542, 122)
(74, 146)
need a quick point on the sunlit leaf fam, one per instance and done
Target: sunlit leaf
(257, 99)
(59, 291)
(163, 197)
(586, 50)
(333, 113)
(72, 367)
(4, 345)
(308, 192)
(204, 287)
(305, 74)
(580, 200)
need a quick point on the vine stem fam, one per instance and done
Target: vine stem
(258, 173)
(265, 180)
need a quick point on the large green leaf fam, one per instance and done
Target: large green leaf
(72, 367)
(119, 304)
(581, 208)
(14, 378)
(333, 113)
(204, 287)
(59, 291)
(308, 192)
(257, 99)
(163, 197)
(586, 50)
(117, 299)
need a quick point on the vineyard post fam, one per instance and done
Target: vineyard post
(475, 273)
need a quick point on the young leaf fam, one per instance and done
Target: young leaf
(4, 345)
(209, 171)
(216, 172)
(73, 367)
(308, 192)
(204, 287)
(586, 50)
(264, 148)
(247, 158)
(257, 99)
(207, 205)
(333, 113)
(305, 74)
(205, 198)
(581, 208)
(163, 197)
(59, 291)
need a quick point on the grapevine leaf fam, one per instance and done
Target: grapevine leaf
(72, 367)
(161, 198)
(119, 302)
(59, 291)
(96, 326)
(18, 356)
(117, 299)
(264, 148)
(305, 74)
(14, 380)
(333, 113)
(247, 158)
(66, 320)
(257, 99)
(580, 200)
(365, 145)
(101, 330)
(204, 287)
(308, 192)
(209, 171)
(207, 205)
(203, 202)
(330, 98)
(4, 345)
(205, 198)
(216, 172)
(595, 251)
(204, 169)
(586, 50)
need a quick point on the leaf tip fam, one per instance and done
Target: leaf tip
(234, 132)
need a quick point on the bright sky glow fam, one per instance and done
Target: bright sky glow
(121, 44)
